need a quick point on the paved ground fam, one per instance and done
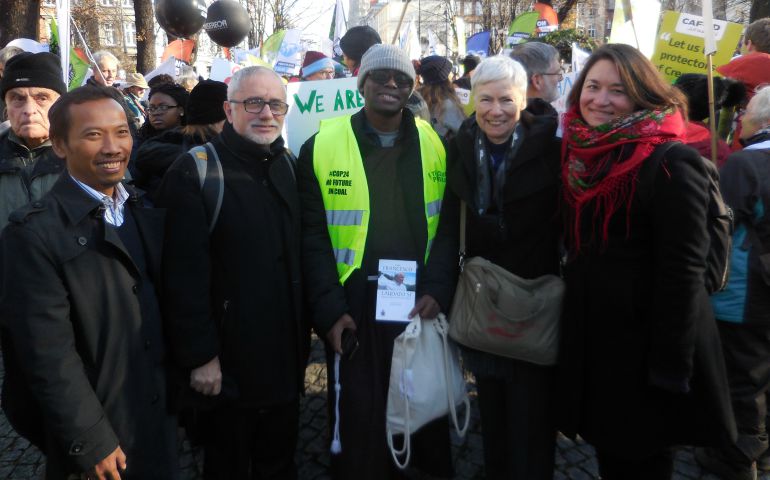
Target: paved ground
(20, 461)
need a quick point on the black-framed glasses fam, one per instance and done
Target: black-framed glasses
(256, 105)
(381, 77)
(160, 108)
(560, 73)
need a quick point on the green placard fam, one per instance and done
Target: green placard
(679, 46)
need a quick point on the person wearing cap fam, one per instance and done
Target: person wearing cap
(133, 90)
(31, 83)
(205, 118)
(469, 64)
(446, 111)
(317, 66)
(390, 166)
(355, 43)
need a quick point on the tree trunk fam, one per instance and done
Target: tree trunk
(759, 9)
(565, 9)
(145, 36)
(22, 23)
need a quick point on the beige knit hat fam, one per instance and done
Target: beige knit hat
(385, 57)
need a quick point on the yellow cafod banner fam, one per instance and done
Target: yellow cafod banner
(679, 47)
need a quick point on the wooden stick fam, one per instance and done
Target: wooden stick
(712, 113)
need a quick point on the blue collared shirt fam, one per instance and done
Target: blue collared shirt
(113, 207)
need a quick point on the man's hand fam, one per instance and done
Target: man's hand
(334, 336)
(207, 379)
(426, 307)
(109, 468)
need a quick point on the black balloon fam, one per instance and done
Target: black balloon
(227, 23)
(181, 18)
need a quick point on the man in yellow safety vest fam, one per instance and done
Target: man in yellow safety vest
(371, 186)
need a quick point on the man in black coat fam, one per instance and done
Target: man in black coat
(79, 304)
(233, 296)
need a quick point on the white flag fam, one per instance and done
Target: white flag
(340, 27)
(63, 25)
(709, 42)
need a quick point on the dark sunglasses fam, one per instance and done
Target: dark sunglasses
(382, 77)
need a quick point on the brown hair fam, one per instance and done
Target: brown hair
(434, 95)
(643, 83)
(758, 33)
(202, 133)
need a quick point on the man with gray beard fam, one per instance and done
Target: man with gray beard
(232, 289)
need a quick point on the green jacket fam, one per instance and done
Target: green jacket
(25, 175)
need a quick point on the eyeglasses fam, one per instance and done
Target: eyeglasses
(160, 108)
(382, 77)
(256, 105)
(560, 73)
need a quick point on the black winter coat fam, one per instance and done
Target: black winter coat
(638, 327)
(524, 238)
(87, 339)
(236, 293)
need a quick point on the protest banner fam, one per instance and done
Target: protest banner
(645, 14)
(679, 48)
(222, 70)
(522, 28)
(289, 58)
(311, 102)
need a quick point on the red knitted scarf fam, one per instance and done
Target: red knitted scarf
(600, 164)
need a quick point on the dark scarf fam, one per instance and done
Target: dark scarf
(600, 164)
(490, 178)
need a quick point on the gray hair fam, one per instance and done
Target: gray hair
(500, 67)
(8, 52)
(245, 73)
(535, 57)
(102, 54)
(760, 107)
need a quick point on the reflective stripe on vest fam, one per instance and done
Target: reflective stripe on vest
(340, 172)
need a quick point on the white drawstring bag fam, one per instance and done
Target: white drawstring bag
(426, 383)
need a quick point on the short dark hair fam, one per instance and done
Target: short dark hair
(643, 83)
(59, 114)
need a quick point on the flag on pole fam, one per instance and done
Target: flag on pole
(338, 28)
(63, 31)
(709, 42)
(77, 68)
(478, 44)
(408, 41)
(522, 28)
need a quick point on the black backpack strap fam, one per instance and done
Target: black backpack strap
(212, 180)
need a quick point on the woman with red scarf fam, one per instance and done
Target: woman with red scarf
(640, 361)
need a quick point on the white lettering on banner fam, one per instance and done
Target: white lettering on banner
(311, 102)
(693, 25)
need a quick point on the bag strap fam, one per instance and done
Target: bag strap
(443, 330)
(407, 447)
(212, 180)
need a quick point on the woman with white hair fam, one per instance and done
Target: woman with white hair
(504, 166)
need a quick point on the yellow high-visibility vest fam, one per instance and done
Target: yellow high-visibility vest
(340, 172)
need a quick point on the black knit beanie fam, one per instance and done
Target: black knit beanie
(26, 69)
(205, 105)
(358, 40)
(435, 70)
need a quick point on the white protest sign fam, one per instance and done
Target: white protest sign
(289, 58)
(560, 104)
(311, 102)
(222, 70)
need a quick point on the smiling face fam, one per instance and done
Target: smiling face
(27, 109)
(603, 97)
(498, 107)
(97, 145)
(262, 128)
(386, 92)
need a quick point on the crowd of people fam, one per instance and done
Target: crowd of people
(162, 264)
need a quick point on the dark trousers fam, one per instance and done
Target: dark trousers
(365, 379)
(747, 358)
(251, 443)
(517, 423)
(659, 466)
